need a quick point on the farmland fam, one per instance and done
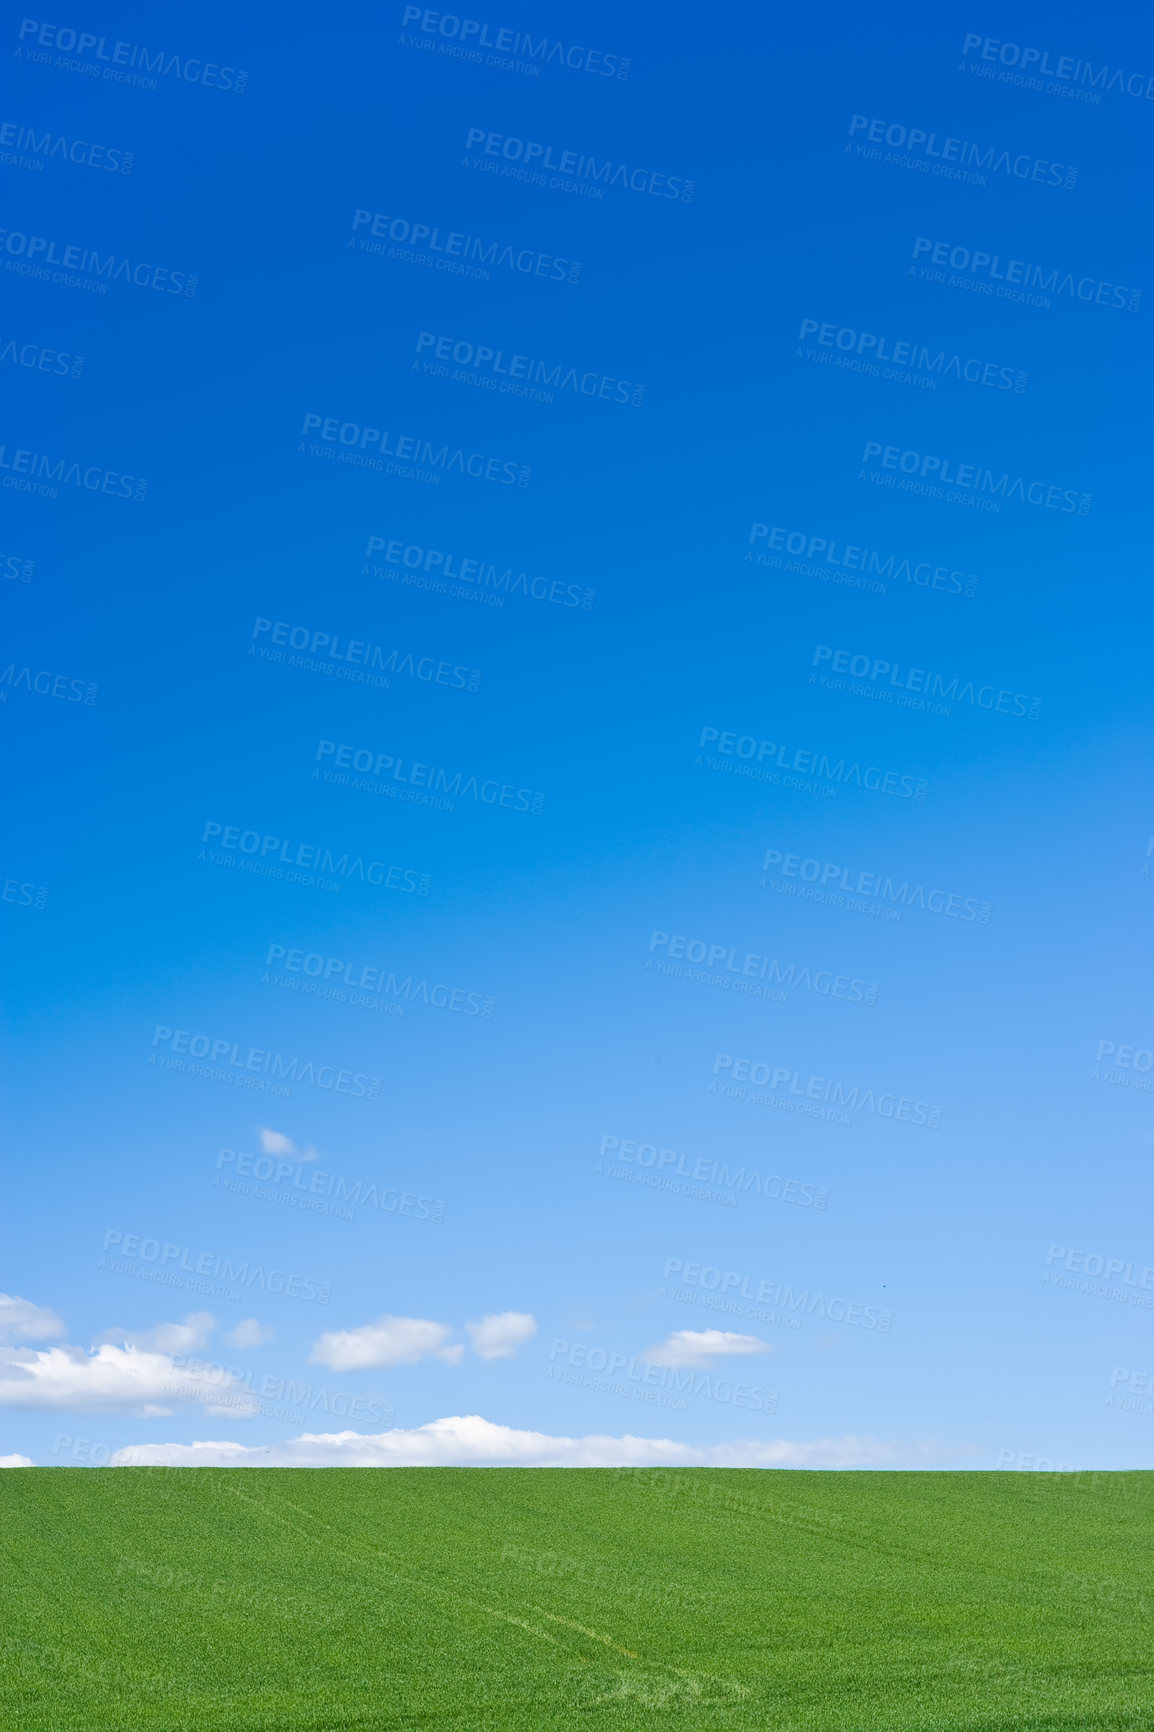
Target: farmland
(230, 1600)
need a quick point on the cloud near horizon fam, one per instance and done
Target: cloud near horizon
(471, 1441)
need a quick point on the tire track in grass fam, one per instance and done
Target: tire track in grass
(685, 1679)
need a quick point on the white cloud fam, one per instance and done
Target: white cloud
(703, 1346)
(16, 1461)
(276, 1143)
(113, 1379)
(388, 1341)
(187, 1337)
(21, 1320)
(471, 1441)
(249, 1333)
(498, 1336)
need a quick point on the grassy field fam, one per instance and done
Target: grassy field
(210, 1600)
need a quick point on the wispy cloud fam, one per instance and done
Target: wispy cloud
(703, 1346)
(187, 1337)
(387, 1341)
(249, 1333)
(499, 1335)
(21, 1320)
(276, 1143)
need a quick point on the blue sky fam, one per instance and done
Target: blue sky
(521, 807)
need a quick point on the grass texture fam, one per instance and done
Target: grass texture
(346, 1600)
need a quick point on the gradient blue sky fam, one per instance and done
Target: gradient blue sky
(551, 914)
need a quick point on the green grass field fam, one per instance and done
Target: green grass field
(219, 1600)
